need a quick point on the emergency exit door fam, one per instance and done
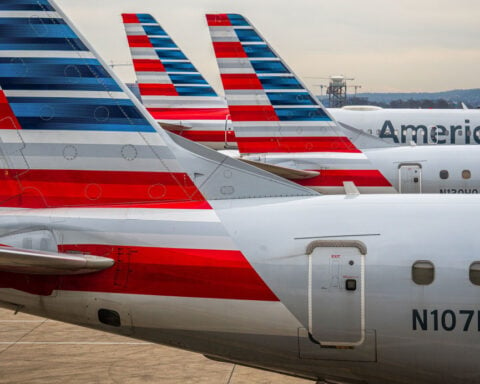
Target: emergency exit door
(410, 178)
(336, 293)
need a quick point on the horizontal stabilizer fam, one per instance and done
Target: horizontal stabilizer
(34, 262)
(175, 127)
(287, 173)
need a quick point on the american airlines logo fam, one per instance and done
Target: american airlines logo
(437, 134)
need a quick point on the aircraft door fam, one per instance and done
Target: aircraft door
(336, 293)
(410, 178)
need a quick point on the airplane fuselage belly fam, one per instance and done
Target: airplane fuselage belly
(253, 305)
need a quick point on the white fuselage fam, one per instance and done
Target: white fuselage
(423, 126)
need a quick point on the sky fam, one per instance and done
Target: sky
(385, 45)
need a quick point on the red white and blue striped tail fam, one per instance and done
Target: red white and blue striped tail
(172, 89)
(274, 113)
(71, 134)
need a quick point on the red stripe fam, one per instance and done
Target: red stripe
(253, 113)
(140, 41)
(205, 273)
(59, 188)
(145, 65)
(218, 20)
(241, 81)
(295, 144)
(336, 178)
(157, 90)
(8, 120)
(228, 49)
(207, 136)
(130, 18)
(189, 113)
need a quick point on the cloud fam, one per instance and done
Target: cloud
(408, 45)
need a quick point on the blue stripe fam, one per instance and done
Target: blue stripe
(248, 35)
(48, 60)
(175, 54)
(78, 101)
(275, 82)
(38, 124)
(34, 31)
(194, 78)
(40, 44)
(179, 67)
(162, 43)
(301, 114)
(291, 98)
(26, 5)
(196, 91)
(259, 51)
(146, 18)
(30, 20)
(57, 84)
(154, 30)
(269, 66)
(74, 71)
(237, 20)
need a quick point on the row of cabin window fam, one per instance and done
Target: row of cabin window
(466, 174)
(423, 272)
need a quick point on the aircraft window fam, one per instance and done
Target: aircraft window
(474, 273)
(370, 131)
(378, 132)
(443, 174)
(423, 272)
(466, 174)
(460, 133)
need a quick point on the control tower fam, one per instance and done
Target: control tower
(337, 91)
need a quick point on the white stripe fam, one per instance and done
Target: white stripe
(153, 78)
(362, 190)
(148, 214)
(87, 137)
(30, 14)
(219, 34)
(67, 94)
(239, 70)
(49, 54)
(172, 102)
(248, 99)
(319, 156)
(292, 124)
(134, 30)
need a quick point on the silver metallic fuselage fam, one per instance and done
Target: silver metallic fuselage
(274, 235)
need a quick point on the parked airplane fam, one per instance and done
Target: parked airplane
(109, 222)
(156, 62)
(172, 89)
(420, 126)
(280, 126)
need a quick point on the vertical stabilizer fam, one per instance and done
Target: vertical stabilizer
(276, 116)
(78, 137)
(172, 89)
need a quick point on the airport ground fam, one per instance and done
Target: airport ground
(36, 350)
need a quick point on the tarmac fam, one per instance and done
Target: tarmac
(37, 350)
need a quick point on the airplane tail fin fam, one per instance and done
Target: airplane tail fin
(172, 89)
(271, 109)
(273, 112)
(74, 135)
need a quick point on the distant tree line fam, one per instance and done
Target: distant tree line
(409, 103)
